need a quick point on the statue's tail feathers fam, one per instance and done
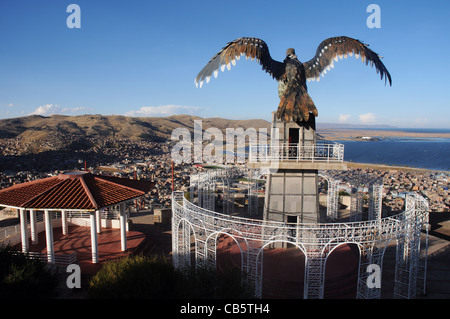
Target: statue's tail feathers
(296, 106)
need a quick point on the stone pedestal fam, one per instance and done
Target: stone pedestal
(291, 192)
(291, 188)
(291, 196)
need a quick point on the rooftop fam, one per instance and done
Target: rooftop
(73, 190)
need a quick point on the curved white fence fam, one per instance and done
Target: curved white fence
(316, 241)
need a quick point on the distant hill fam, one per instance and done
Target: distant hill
(58, 132)
(326, 126)
(98, 126)
(35, 133)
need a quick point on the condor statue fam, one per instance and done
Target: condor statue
(295, 103)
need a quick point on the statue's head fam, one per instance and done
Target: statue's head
(290, 53)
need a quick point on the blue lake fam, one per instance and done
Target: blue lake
(430, 153)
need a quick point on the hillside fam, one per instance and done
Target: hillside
(59, 132)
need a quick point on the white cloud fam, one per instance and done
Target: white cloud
(164, 110)
(50, 109)
(343, 118)
(367, 118)
(47, 109)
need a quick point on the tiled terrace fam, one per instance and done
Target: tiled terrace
(79, 240)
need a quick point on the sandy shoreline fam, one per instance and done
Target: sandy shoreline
(383, 167)
(336, 134)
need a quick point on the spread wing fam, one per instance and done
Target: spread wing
(250, 47)
(336, 48)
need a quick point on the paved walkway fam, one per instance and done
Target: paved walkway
(79, 240)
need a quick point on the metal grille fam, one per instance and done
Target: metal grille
(323, 151)
(316, 240)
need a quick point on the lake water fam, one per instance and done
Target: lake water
(430, 153)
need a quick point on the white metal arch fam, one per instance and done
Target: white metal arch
(361, 251)
(259, 260)
(183, 239)
(213, 237)
(317, 241)
(280, 241)
(361, 247)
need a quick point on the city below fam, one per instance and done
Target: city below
(152, 161)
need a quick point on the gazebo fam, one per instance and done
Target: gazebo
(72, 191)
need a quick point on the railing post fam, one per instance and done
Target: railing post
(328, 152)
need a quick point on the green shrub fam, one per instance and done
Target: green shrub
(134, 277)
(208, 284)
(22, 277)
(156, 278)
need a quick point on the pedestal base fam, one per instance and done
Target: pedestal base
(291, 196)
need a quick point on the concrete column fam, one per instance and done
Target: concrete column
(34, 234)
(98, 220)
(123, 225)
(94, 241)
(49, 236)
(65, 227)
(23, 229)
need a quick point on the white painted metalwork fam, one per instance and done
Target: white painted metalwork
(322, 151)
(60, 259)
(408, 250)
(190, 222)
(253, 178)
(375, 201)
(332, 195)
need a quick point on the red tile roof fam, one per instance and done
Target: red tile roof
(77, 190)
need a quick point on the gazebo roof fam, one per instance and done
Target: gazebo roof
(75, 190)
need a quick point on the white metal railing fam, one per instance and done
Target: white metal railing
(83, 214)
(80, 218)
(316, 240)
(323, 151)
(321, 238)
(9, 231)
(264, 230)
(60, 259)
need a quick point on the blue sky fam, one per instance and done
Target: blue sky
(140, 58)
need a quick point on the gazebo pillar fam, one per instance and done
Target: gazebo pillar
(94, 241)
(49, 237)
(23, 229)
(65, 228)
(98, 220)
(123, 225)
(34, 233)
